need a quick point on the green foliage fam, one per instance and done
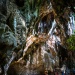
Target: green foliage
(71, 42)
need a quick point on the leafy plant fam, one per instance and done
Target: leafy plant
(71, 42)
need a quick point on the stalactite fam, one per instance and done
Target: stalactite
(72, 22)
(53, 27)
(15, 25)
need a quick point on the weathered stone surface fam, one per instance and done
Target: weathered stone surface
(36, 59)
(19, 68)
(6, 35)
(36, 56)
(9, 35)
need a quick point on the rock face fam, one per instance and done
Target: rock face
(38, 56)
(41, 51)
(16, 22)
(12, 30)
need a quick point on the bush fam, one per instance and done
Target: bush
(71, 42)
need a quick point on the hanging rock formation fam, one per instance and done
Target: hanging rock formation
(31, 35)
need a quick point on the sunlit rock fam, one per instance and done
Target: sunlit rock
(38, 56)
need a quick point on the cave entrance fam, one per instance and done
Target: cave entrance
(45, 23)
